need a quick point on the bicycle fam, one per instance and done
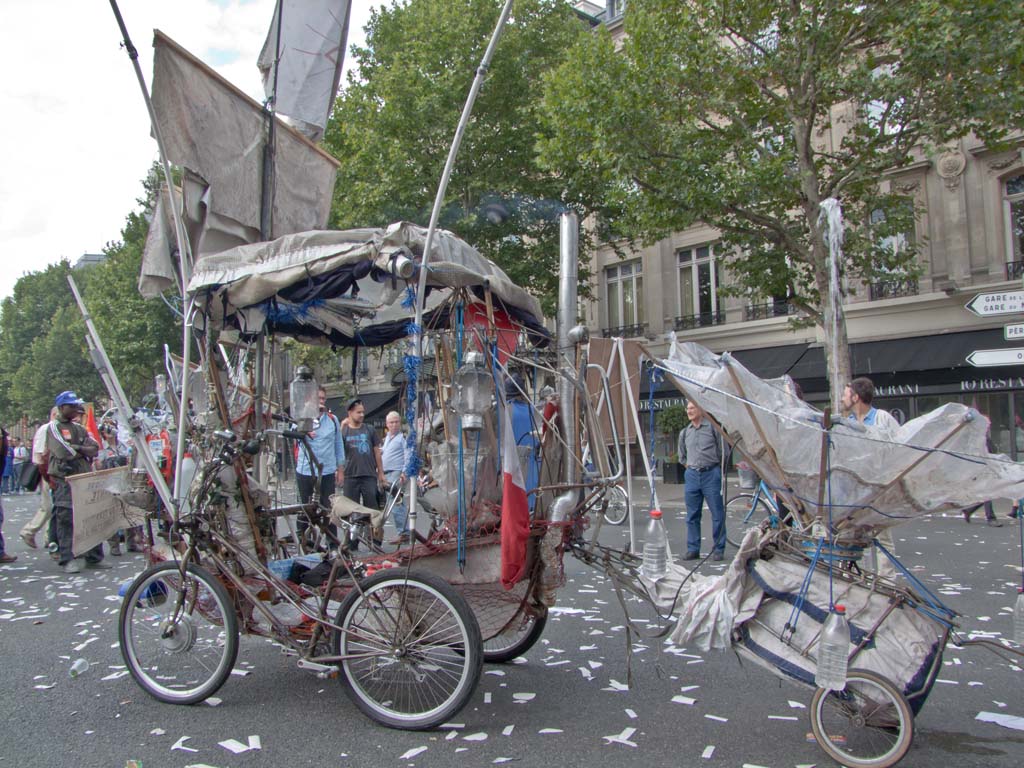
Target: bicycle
(749, 510)
(404, 643)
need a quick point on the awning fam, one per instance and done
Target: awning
(377, 404)
(771, 362)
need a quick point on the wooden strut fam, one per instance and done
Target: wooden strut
(240, 475)
(925, 454)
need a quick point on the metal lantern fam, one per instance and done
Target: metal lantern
(303, 392)
(474, 392)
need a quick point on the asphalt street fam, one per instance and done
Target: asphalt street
(562, 704)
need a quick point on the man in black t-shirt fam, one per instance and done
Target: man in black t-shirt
(364, 466)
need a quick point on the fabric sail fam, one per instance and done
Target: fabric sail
(515, 510)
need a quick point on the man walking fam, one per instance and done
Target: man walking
(40, 459)
(364, 466)
(325, 440)
(20, 457)
(394, 456)
(71, 452)
(700, 451)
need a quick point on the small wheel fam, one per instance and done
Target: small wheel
(517, 638)
(412, 649)
(179, 640)
(868, 724)
(618, 506)
(741, 514)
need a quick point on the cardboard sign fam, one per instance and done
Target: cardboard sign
(97, 512)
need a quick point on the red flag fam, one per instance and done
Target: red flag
(90, 424)
(515, 511)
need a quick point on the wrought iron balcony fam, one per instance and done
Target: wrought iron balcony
(700, 320)
(892, 289)
(625, 331)
(769, 309)
(1014, 270)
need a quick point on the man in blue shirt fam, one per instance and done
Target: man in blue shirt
(325, 440)
(395, 456)
(700, 451)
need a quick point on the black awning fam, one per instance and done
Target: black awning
(771, 362)
(377, 404)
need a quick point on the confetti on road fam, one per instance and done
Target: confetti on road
(621, 738)
(481, 736)
(708, 752)
(507, 730)
(180, 744)
(547, 731)
(522, 698)
(716, 717)
(410, 754)
(684, 700)
(1007, 721)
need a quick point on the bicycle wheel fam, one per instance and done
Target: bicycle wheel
(179, 640)
(618, 506)
(868, 724)
(741, 514)
(412, 649)
(516, 639)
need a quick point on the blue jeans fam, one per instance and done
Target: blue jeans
(701, 487)
(399, 511)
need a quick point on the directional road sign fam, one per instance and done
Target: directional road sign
(985, 358)
(1013, 331)
(1001, 303)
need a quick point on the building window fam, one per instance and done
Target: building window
(625, 298)
(1013, 211)
(701, 276)
(893, 237)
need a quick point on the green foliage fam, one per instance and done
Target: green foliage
(747, 115)
(392, 126)
(671, 420)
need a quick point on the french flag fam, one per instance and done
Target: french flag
(515, 511)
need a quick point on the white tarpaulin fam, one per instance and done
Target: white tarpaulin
(312, 51)
(936, 462)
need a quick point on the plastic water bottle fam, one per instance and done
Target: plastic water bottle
(833, 650)
(1018, 618)
(78, 668)
(655, 547)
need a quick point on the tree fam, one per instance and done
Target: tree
(392, 126)
(747, 115)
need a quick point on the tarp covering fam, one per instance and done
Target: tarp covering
(936, 462)
(339, 287)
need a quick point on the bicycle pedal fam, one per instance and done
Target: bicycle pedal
(323, 671)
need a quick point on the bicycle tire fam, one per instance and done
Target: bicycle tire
(617, 510)
(512, 642)
(412, 649)
(179, 660)
(868, 724)
(743, 513)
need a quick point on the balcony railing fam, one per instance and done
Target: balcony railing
(700, 320)
(625, 331)
(1014, 270)
(892, 289)
(769, 309)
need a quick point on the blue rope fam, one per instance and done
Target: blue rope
(801, 597)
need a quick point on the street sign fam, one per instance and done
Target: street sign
(1013, 331)
(985, 358)
(1002, 303)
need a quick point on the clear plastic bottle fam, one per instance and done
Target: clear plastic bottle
(655, 547)
(833, 651)
(1018, 618)
(188, 471)
(79, 667)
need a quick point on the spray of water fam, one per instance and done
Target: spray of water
(831, 221)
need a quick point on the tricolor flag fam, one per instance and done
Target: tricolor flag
(515, 511)
(90, 425)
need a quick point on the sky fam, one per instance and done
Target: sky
(74, 138)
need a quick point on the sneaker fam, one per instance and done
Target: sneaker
(29, 539)
(717, 556)
(115, 549)
(5, 558)
(72, 566)
(692, 556)
(993, 523)
(98, 565)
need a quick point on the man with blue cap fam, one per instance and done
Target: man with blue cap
(71, 452)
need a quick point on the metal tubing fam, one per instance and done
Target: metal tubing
(568, 287)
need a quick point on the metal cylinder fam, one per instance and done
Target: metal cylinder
(568, 289)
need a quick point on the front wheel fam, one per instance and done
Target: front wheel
(411, 648)
(617, 510)
(868, 724)
(179, 637)
(517, 638)
(742, 513)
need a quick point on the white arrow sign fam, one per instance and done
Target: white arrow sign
(1013, 331)
(984, 358)
(1004, 303)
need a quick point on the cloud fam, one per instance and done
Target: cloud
(75, 143)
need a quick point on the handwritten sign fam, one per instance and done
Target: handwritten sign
(97, 512)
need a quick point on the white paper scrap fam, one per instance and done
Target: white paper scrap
(180, 744)
(549, 730)
(409, 755)
(115, 675)
(481, 736)
(498, 760)
(684, 700)
(630, 714)
(255, 743)
(1007, 721)
(615, 685)
(781, 717)
(212, 701)
(621, 738)
(708, 752)
(796, 705)
(716, 717)
(241, 672)
(45, 687)
(157, 732)
(522, 698)
(233, 745)
(451, 735)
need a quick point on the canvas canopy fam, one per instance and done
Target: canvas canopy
(874, 480)
(342, 287)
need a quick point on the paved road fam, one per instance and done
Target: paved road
(576, 675)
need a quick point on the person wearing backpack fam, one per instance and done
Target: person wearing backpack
(325, 440)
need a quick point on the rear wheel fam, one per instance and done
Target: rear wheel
(517, 638)
(618, 506)
(868, 724)
(742, 513)
(179, 637)
(412, 646)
